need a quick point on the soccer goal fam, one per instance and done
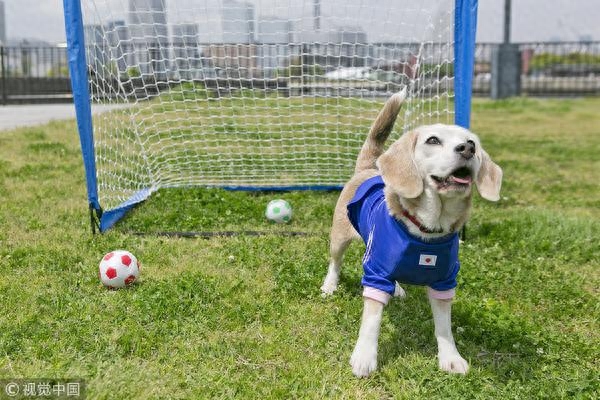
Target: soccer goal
(254, 94)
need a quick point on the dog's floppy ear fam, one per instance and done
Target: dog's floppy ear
(398, 168)
(489, 178)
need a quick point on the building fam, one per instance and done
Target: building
(334, 47)
(96, 50)
(120, 45)
(351, 47)
(273, 30)
(273, 38)
(237, 22)
(2, 24)
(186, 57)
(233, 61)
(235, 56)
(147, 21)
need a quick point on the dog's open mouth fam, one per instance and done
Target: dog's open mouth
(460, 178)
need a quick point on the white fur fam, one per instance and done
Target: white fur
(364, 356)
(448, 357)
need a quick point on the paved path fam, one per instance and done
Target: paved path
(15, 116)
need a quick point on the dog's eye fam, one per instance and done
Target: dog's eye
(433, 140)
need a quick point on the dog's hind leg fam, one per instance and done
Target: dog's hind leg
(337, 248)
(342, 233)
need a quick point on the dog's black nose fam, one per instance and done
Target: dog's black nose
(466, 150)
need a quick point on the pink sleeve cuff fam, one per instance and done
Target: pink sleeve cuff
(441, 294)
(376, 294)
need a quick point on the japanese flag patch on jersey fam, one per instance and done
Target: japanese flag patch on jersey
(427, 260)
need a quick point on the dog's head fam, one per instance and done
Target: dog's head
(445, 158)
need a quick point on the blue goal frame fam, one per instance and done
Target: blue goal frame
(465, 27)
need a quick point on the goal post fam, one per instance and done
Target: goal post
(253, 94)
(465, 30)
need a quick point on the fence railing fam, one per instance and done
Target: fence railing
(33, 73)
(547, 69)
(30, 73)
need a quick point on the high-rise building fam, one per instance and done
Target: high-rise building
(185, 34)
(96, 49)
(238, 22)
(273, 30)
(117, 32)
(147, 20)
(273, 38)
(186, 51)
(2, 24)
(120, 45)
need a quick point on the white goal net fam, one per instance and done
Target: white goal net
(257, 93)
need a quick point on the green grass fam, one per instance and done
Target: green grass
(242, 317)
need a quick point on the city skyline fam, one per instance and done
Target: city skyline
(534, 21)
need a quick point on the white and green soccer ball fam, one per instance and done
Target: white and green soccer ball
(279, 211)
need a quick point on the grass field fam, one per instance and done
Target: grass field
(242, 317)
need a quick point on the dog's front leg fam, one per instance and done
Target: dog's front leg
(364, 356)
(448, 356)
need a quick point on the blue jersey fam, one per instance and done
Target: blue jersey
(392, 253)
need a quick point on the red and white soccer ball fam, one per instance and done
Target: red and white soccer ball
(119, 269)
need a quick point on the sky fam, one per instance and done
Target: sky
(532, 20)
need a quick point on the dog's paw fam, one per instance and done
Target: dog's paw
(329, 285)
(399, 292)
(363, 361)
(453, 363)
(328, 288)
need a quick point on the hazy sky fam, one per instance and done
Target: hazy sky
(533, 20)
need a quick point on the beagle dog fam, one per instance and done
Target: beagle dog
(408, 203)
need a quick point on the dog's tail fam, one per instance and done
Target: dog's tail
(380, 130)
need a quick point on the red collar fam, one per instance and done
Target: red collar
(418, 223)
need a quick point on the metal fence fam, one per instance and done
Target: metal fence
(547, 69)
(36, 73)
